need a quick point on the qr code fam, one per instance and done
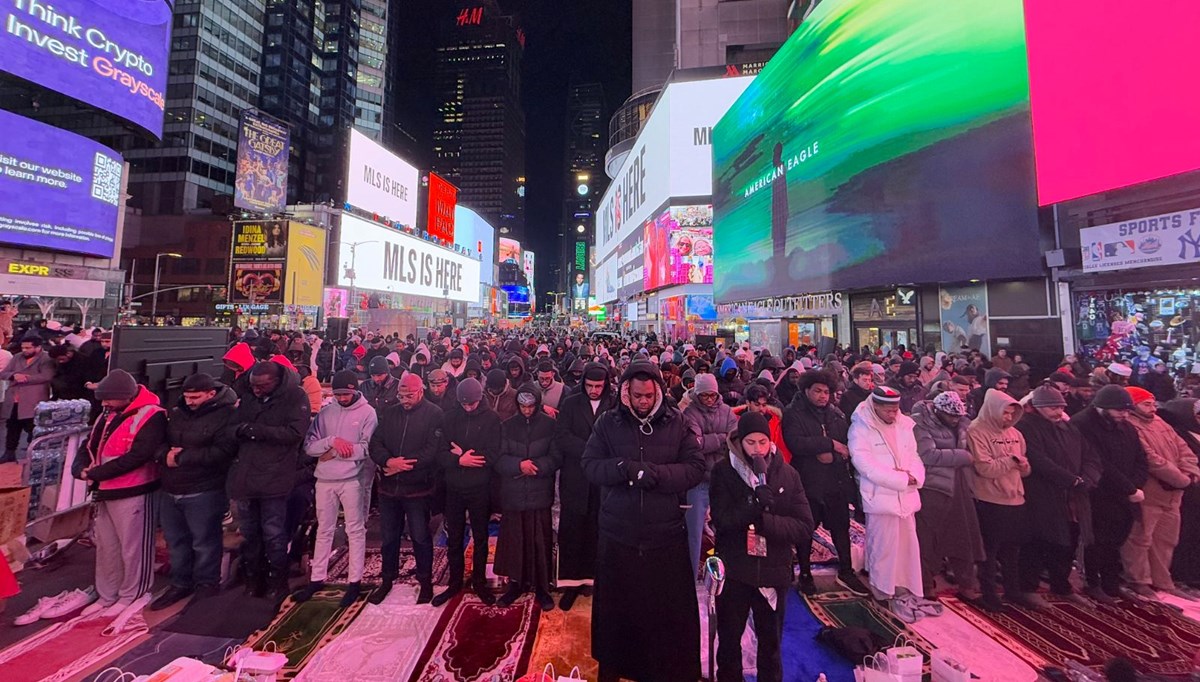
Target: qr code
(106, 179)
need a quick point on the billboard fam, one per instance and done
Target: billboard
(305, 276)
(381, 182)
(528, 263)
(678, 248)
(262, 164)
(260, 240)
(519, 303)
(111, 54)
(404, 264)
(256, 282)
(510, 251)
(630, 259)
(581, 288)
(336, 302)
(62, 192)
(1165, 239)
(478, 237)
(963, 313)
(443, 198)
(866, 139)
(1145, 125)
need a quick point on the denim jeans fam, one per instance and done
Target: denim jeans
(262, 522)
(192, 526)
(394, 514)
(698, 500)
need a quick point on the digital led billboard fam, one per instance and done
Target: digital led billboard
(62, 192)
(443, 197)
(1113, 93)
(879, 131)
(679, 247)
(478, 237)
(398, 262)
(381, 182)
(111, 54)
(262, 163)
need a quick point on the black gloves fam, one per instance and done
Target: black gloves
(764, 497)
(641, 474)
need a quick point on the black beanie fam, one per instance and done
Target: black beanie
(345, 380)
(199, 383)
(118, 385)
(752, 422)
(496, 380)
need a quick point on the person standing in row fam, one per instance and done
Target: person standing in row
(709, 415)
(644, 456)
(406, 446)
(471, 431)
(339, 438)
(29, 374)
(193, 468)
(577, 527)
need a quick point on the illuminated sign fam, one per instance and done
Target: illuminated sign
(381, 182)
(443, 197)
(260, 239)
(27, 269)
(469, 16)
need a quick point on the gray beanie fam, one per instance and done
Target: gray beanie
(706, 383)
(1047, 396)
(118, 385)
(469, 390)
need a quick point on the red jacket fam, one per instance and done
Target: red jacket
(775, 420)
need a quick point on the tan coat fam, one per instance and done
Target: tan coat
(1169, 461)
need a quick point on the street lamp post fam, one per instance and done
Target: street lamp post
(157, 272)
(352, 275)
(558, 296)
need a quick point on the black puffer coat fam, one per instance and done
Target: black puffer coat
(1058, 456)
(411, 434)
(647, 514)
(523, 439)
(572, 430)
(209, 446)
(269, 433)
(808, 432)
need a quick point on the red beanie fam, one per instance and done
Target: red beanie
(1139, 394)
(412, 382)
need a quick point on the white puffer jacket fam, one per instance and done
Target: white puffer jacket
(884, 489)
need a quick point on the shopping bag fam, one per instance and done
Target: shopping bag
(259, 666)
(548, 675)
(904, 658)
(875, 669)
(948, 669)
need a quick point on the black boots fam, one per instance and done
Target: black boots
(305, 593)
(256, 585)
(484, 592)
(568, 598)
(512, 594)
(277, 585)
(425, 595)
(353, 590)
(382, 591)
(447, 594)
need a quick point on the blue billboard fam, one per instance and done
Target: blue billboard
(262, 164)
(62, 191)
(111, 54)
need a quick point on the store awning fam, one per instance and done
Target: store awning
(55, 287)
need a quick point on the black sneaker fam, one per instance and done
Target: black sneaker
(484, 593)
(848, 580)
(446, 595)
(806, 585)
(568, 598)
(305, 593)
(425, 594)
(381, 592)
(544, 600)
(513, 593)
(353, 590)
(173, 594)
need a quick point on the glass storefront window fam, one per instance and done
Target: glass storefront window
(1139, 327)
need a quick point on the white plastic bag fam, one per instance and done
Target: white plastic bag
(948, 669)
(260, 666)
(876, 669)
(904, 659)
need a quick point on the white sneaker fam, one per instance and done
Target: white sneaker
(72, 602)
(96, 607)
(113, 610)
(42, 606)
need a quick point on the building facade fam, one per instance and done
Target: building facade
(584, 182)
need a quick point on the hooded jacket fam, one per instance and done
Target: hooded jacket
(943, 449)
(241, 355)
(477, 430)
(1169, 461)
(731, 386)
(1054, 495)
(269, 431)
(121, 449)
(552, 396)
(206, 436)
(877, 450)
(787, 523)
(643, 512)
(527, 438)
(521, 378)
(411, 434)
(785, 390)
(714, 424)
(998, 452)
(355, 424)
(774, 417)
(808, 432)
(504, 404)
(1123, 462)
(572, 430)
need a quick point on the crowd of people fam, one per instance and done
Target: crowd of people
(620, 457)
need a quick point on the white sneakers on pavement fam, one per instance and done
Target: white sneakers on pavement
(56, 606)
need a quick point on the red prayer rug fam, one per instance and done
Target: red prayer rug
(65, 650)
(481, 643)
(1155, 637)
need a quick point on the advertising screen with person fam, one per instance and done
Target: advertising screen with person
(262, 164)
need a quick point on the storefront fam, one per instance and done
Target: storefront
(781, 321)
(70, 294)
(885, 318)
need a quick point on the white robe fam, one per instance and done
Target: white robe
(893, 555)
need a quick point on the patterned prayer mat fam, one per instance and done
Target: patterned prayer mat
(844, 609)
(384, 643)
(481, 643)
(164, 647)
(66, 650)
(301, 629)
(1155, 637)
(564, 640)
(339, 571)
(823, 551)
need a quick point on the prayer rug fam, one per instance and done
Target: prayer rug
(564, 640)
(301, 629)
(164, 647)
(482, 643)
(66, 650)
(823, 551)
(339, 571)
(384, 643)
(844, 609)
(228, 614)
(1155, 637)
(987, 659)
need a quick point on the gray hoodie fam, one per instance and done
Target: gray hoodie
(355, 423)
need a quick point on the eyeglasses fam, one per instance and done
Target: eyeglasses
(709, 396)
(439, 383)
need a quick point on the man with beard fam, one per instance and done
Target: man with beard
(908, 384)
(816, 433)
(580, 499)
(550, 387)
(381, 390)
(644, 455)
(28, 373)
(441, 390)
(500, 397)
(862, 382)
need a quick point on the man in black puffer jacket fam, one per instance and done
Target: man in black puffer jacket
(192, 472)
(471, 430)
(644, 456)
(406, 446)
(755, 497)
(271, 422)
(527, 468)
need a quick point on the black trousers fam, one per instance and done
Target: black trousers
(1002, 527)
(12, 436)
(1055, 559)
(737, 601)
(833, 512)
(1102, 559)
(460, 504)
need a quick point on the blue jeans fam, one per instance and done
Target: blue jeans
(698, 499)
(394, 514)
(192, 526)
(262, 522)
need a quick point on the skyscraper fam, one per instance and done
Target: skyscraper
(372, 68)
(479, 132)
(585, 180)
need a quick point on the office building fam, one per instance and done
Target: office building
(585, 180)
